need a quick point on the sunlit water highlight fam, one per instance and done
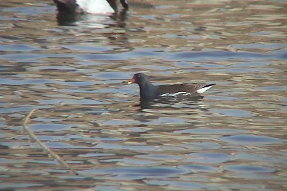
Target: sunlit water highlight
(232, 139)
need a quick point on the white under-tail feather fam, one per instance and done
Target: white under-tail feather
(201, 90)
(95, 6)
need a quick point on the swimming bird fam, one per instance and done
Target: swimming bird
(89, 6)
(148, 91)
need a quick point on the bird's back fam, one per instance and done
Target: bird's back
(180, 88)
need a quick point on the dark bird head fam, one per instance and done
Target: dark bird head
(147, 90)
(139, 78)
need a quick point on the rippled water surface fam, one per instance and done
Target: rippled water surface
(73, 74)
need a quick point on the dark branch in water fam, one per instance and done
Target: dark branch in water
(43, 145)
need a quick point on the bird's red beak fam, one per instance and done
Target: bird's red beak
(131, 81)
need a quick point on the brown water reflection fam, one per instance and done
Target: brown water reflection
(233, 138)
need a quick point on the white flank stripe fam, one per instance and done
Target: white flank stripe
(175, 94)
(200, 91)
(95, 6)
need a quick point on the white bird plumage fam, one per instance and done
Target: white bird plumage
(201, 90)
(89, 6)
(95, 6)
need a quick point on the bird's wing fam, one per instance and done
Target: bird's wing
(175, 88)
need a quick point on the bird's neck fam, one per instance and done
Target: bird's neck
(147, 90)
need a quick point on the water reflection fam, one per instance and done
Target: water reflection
(169, 102)
(92, 21)
(138, 173)
(73, 76)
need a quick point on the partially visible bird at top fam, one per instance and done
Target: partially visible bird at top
(89, 6)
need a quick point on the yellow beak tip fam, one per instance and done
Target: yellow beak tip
(129, 83)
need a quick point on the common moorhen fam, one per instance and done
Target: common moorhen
(148, 91)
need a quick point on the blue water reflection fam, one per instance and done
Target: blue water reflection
(74, 69)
